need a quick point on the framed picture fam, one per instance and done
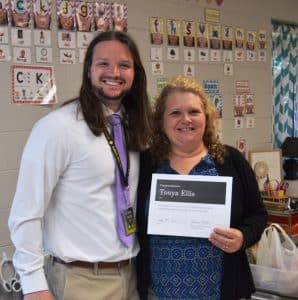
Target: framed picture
(267, 166)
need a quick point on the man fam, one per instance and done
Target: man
(64, 204)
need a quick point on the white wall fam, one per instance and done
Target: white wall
(16, 120)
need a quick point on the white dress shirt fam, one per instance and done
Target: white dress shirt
(65, 201)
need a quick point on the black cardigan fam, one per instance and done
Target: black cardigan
(248, 214)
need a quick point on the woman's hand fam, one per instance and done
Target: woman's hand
(229, 240)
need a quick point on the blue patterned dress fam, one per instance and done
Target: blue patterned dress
(184, 267)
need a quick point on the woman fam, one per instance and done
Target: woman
(185, 142)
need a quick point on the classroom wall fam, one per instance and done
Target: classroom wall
(16, 121)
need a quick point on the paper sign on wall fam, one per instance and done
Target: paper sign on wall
(33, 85)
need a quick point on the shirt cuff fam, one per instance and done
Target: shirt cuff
(34, 282)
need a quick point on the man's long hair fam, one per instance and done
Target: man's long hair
(136, 101)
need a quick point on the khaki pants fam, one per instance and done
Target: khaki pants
(76, 283)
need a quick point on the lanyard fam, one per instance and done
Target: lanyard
(124, 177)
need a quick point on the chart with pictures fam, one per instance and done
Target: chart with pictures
(26, 33)
(193, 41)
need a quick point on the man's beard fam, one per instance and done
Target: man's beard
(99, 92)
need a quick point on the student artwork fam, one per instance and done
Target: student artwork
(218, 103)
(202, 35)
(250, 122)
(66, 15)
(84, 16)
(238, 122)
(215, 38)
(239, 38)
(189, 54)
(161, 83)
(156, 54)
(21, 55)
(5, 53)
(250, 40)
(21, 11)
(119, 17)
(66, 39)
(173, 32)
(157, 68)
(227, 43)
(211, 86)
(239, 44)
(66, 11)
(244, 105)
(189, 70)
(42, 37)
(43, 55)
(202, 32)
(42, 14)
(188, 33)
(84, 39)
(249, 104)
(3, 34)
(42, 17)
(262, 41)
(173, 53)
(250, 45)
(242, 87)
(228, 69)
(102, 16)
(67, 57)
(227, 38)
(156, 30)
(20, 37)
(239, 105)
(203, 55)
(4, 12)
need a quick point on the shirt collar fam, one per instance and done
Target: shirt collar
(108, 112)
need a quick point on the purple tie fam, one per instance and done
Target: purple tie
(122, 198)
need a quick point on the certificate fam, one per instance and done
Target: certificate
(189, 205)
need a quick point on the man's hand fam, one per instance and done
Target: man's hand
(41, 295)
